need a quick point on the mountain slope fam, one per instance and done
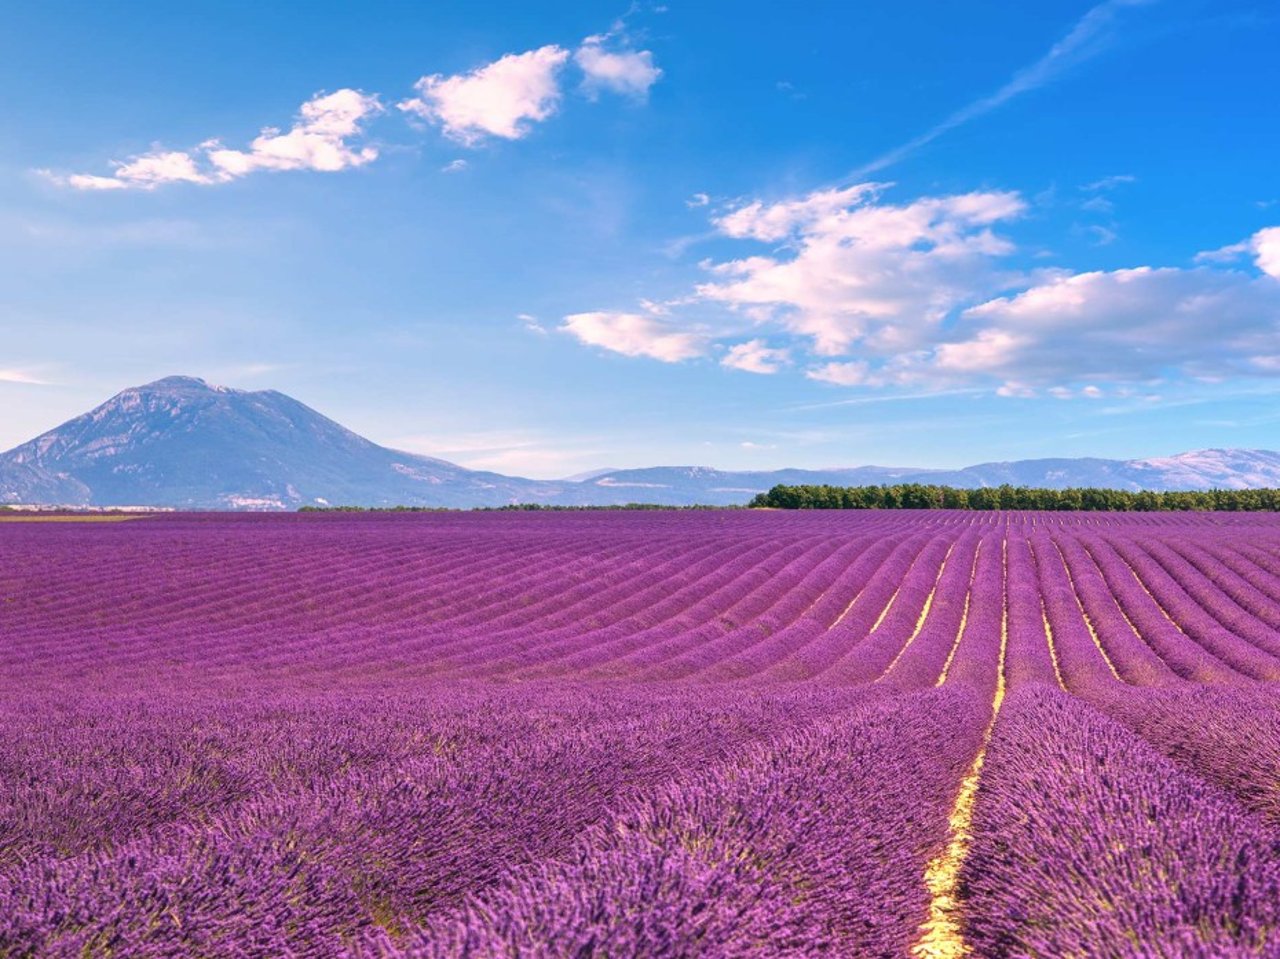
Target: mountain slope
(182, 443)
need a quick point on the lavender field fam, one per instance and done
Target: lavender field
(641, 734)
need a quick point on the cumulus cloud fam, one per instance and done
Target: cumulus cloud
(756, 356)
(501, 99)
(858, 271)
(635, 334)
(1128, 325)
(627, 72)
(318, 140)
(862, 293)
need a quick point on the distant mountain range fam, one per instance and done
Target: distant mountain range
(182, 443)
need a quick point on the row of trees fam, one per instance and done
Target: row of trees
(923, 496)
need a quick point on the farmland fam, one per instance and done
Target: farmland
(632, 734)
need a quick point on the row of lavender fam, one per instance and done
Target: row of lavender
(711, 597)
(554, 821)
(667, 777)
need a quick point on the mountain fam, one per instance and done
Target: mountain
(182, 443)
(179, 442)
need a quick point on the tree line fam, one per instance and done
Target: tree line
(926, 496)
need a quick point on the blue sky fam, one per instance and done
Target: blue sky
(547, 238)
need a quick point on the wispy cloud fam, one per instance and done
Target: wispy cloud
(515, 452)
(530, 323)
(886, 398)
(1102, 235)
(635, 334)
(22, 377)
(1091, 35)
(1109, 182)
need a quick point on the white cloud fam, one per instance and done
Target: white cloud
(318, 140)
(858, 272)
(634, 334)
(1131, 325)
(866, 294)
(1266, 249)
(85, 181)
(628, 72)
(145, 172)
(697, 200)
(989, 349)
(501, 99)
(756, 356)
